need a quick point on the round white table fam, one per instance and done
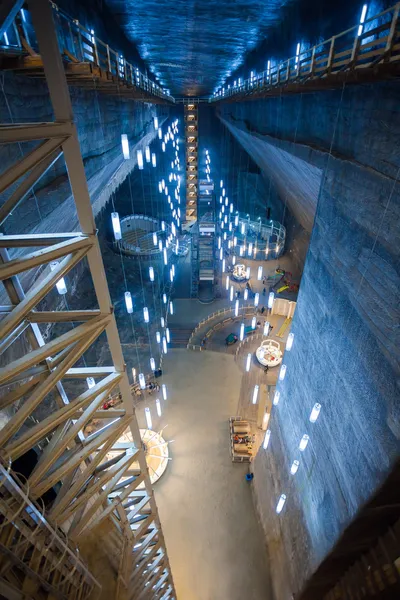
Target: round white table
(269, 354)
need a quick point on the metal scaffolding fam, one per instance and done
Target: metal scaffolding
(38, 545)
(192, 160)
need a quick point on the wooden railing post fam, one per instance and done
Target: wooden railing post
(331, 54)
(288, 70)
(96, 54)
(356, 47)
(108, 58)
(312, 64)
(392, 32)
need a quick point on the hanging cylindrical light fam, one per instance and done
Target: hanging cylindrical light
(155, 241)
(90, 382)
(164, 391)
(303, 442)
(153, 159)
(164, 297)
(256, 299)
(139, 155)
(168, 335)
(289, 342)
(146, 314)
(164, 345)
(233, 260)
(165, 256)
(246, 294)
(294, 467)
(152, 364)
(60, 284)
(271, 298)
(147, 414)
(227, 282)
(315, 412)
(250, 249)
(221, 184)
(253, 322)
(248, 273)
(162, 320)
(281, 503)
(128, 302)
(151, 273)
(259, 273)
(255, 394)
(116, 225)
(163, 225)
(236, 221)
(266, 439)
(231, 293)
(158, 337)
(155, 120)
(158, 407)
(241, 334)
(266, 328)
(236, 308)
(282, 373)
(248, 362)
(163, 146)
(277, 396)
(125, 146)
(142, 381)
(147, 154)
(171, 308)
(223, 265)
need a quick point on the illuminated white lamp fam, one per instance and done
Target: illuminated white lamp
(226, 218)
(172, 164)
(236, 220)
(271, 298)
(158, 337)
(166, 191)
(243, 229)
(236, 308)
(152, 364)
(139, 155)
(250, 249)
(116, 225)
(219, 242)
(168, 335)
(142, 381)
(162, 322)
(226, 201)
(90, 382)
(125, 146)
(235, 241)
(231, 293)
(289, 342)
(155, 241)
(266, 328)
(255, 394)
(362, 19)
(281, 503)
(246, 294)
(282, 373)
(230, 226)
(294, 467)
(165, 256)
(147, 414)
(160, 245)
(248, 362)
(266, 439)
(277, 396)
(146, 314)
(153, 159)
(253, 323)
(164, 297)
(256, 299)
(221, 184)
(227, 282)
(163, 146)
(155, 120)
(160, 187)
(223, 192)
(164, 344)
(315, 412)
(173, 270)
(248, 271)
(151, 273)
(163, 184)
(164, 391)
(259, 273)
(303, 442)
(241, 250)
(60, 284)
(163, 225)
(171, 308)
(128, 302)
(158, 407)
(223, 265)
(147, 154)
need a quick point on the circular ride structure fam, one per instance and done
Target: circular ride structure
(144, 237)
(258, 240)
(239, 273)
(269, 354)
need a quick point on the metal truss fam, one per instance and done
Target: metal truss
(38, 546)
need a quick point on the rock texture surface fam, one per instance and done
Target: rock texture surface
(346, 346)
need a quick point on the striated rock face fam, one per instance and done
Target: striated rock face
(346, 347)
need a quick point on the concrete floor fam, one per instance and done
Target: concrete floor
(215, 544)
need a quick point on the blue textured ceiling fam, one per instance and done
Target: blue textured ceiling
(192, 46)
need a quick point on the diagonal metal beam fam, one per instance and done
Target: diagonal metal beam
(25, 132)
(61, 316)
(8, 11)
(21, 445)
(38, 292)
(40, 257)
(36, 239)
(42, 152)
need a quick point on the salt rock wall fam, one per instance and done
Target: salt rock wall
(346, 347)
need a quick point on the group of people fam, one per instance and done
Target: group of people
(150, 388)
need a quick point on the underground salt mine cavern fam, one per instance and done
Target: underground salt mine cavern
(199, 255)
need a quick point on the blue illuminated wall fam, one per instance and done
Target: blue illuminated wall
(346, 347)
